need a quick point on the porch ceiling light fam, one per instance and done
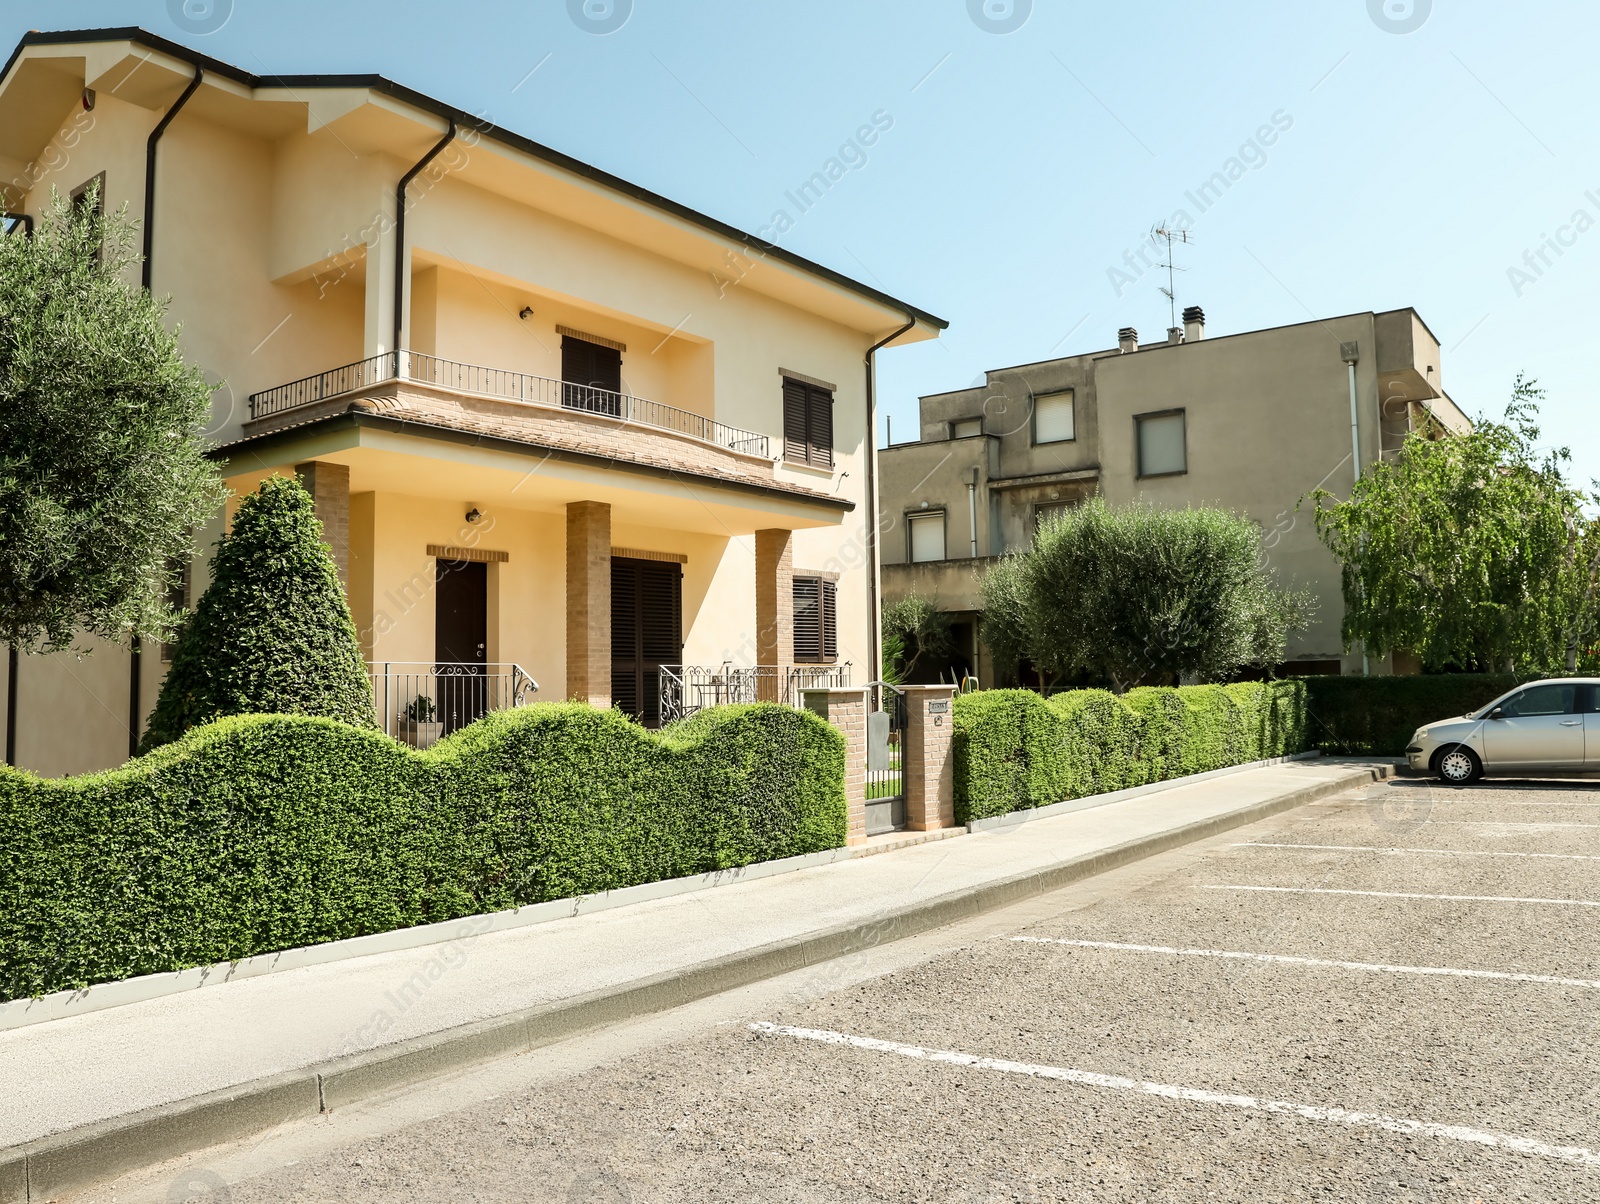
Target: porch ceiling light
(474, 515)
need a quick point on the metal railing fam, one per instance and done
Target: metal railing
(421, 702)
(686, 689)
(504, 385)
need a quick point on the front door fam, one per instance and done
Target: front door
(1538, 728)
(461, 642)
(592, 376)
(646, 632)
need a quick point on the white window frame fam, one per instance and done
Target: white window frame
(926, 516)
(1072, 416)
(1139, 420)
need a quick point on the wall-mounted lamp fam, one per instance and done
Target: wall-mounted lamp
(527, 312)
(474, 515)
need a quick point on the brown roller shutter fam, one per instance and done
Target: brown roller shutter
(830, 620)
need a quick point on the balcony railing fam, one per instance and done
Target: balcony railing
(686, 689)
(503, 385)
(421, 702)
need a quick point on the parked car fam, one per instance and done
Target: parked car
(1536, 728)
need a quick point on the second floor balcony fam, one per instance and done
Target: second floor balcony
(500, 385)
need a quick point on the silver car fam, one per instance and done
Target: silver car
(1543, 726)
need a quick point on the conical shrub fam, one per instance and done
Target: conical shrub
(272, 634)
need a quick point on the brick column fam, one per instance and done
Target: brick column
(928, 760)
(846, 709)
(329, 487)
(589, 602)
(774, 608)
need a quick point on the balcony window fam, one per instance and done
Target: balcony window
(926, 535)
(1053, 419)
(807, 423)
(966, 428)
(816, 621)
(1162, 449)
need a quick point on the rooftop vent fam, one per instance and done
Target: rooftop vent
(1194, 324)
(1127, 340)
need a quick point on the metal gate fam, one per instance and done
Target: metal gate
(886, 729)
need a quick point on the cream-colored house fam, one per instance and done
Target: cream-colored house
(1252, 422)
(561, 431)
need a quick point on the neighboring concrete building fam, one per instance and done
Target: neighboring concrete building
(449, 332)
(1251, 422)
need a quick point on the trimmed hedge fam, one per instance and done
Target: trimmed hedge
(265, 832)
(1376, 716)
(1016, 750)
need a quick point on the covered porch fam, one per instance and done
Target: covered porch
(497, 552)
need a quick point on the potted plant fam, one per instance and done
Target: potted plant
(419, 726)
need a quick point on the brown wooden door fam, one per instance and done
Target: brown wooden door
(646, 632)
(461, 641)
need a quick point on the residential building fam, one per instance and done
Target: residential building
(1251, 422)
(559, 429)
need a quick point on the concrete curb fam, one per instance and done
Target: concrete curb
(79, 1158)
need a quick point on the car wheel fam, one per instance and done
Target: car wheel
(1458, 765)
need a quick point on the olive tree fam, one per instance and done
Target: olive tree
(1471, 550)
(103, 477)
(1135, 595)
(914, 628)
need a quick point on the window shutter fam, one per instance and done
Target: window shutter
(830, 620)
(794, 420)
(659, 619)
(807, 620)
(820, 426)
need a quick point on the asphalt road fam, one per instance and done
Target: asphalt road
(1409, 1013)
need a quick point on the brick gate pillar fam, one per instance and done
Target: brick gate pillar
(329, 487)
(589, 603)
(774, 609)
(846, 709)
(928, 758)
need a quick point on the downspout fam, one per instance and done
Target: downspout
(11, 704)
(145, 277)
(400, 272)
(972, 510)
(874, 626)
(1351, 352)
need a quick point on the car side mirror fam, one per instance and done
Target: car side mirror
(1497, 713)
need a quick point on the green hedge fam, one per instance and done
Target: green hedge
(1376, 716)
(1015, 749)
(260, 833)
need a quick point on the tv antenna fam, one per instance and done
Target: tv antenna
(1161, 233)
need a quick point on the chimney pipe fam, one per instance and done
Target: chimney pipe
(1127, 340)
(1174, 334)
(1194, 324)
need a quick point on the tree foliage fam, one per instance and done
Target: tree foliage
(914, 628)
(103, 479)
(1471, 551)
(272, 633)
(1136, 595)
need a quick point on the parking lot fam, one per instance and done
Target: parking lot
(1389, 996)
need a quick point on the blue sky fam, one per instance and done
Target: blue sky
(1409, 168)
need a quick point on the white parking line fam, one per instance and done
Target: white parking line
(1395, 894)
(1372, 848)
(1452, 798)
(1195, 1095)
(1286, 959)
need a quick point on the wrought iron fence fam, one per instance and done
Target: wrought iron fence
(686, 689)
(421, 702)
(324, 385)
(885, 787)
(504, 385)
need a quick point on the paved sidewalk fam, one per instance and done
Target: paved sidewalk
(109, 1090)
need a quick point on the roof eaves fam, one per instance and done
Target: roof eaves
(439, 108)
